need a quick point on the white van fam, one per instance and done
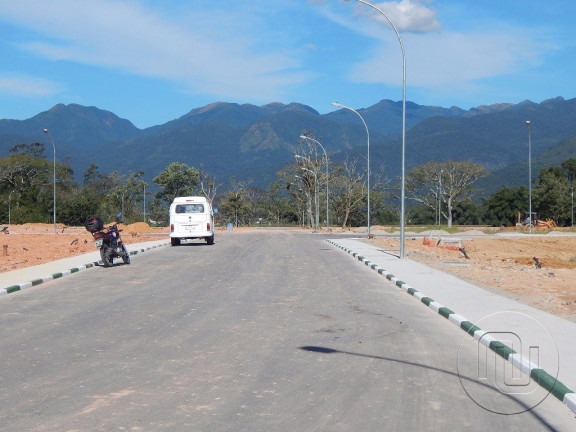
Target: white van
(191, 218)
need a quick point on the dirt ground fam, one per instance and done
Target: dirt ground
(504, 265)
(31, 244)
(538, 270)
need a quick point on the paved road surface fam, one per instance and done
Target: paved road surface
(260, 332)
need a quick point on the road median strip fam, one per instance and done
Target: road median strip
(540, 376)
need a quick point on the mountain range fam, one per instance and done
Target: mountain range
(249, 143)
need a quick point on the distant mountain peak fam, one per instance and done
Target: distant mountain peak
(77, 108)
(526, 102)
(292, 106)
(246, 141)
(274, 105)
(493, 107)
(553, 100)
(210, 107)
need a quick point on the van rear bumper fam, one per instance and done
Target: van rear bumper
(190, 236)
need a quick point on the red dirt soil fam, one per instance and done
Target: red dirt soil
(31, 244)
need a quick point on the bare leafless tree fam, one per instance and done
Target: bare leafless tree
(436, 183)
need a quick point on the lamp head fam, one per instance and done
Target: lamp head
(45, 130)
(527, 122)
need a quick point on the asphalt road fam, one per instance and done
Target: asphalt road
(265, 331)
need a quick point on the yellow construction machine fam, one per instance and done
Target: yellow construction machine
(531, 220)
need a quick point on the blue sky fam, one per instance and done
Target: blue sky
(153, 61)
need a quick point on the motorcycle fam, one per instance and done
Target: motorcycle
(108, 240)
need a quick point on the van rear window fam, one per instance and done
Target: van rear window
(190, 208)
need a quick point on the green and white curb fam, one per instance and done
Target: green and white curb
(540, 376)
(19, 287)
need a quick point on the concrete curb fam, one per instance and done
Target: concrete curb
(542, 378)
(13, 288)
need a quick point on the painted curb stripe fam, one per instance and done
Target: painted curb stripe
(456, 319)
(521, 363)
(406, 287)
(542, 378)
(501, 349)
(427, 301)
(550, 383)
(445, 312)
(18, 287)
(12, 289)
(570, 401)
(469, 328)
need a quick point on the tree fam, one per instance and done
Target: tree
(177, 179)
(208, 186)
(76, 207)
(26, 178)
(569, 166)
(34, 150)
(467, 212)
(257, 202)
(552, 195)
(281, 209)
(503, 206)
(92, 175)
(437, 183)
(348, 190)
(235, 208)
(296, 191)
(126, 197)
(310, 163)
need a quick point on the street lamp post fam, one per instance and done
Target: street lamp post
(309, 210)
(53, 179)
(438, 209)
(123, 217)
(10, 198)
(339, 105)
(297, 156)
(303, 211)
(403, 176)
(326, 158)
(440, 199)
(529, 176)
(316, 199)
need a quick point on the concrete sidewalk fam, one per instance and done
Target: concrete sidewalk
(493, 320)
(16, 280)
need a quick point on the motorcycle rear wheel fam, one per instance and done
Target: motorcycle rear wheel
(106, 255)
(125, 255)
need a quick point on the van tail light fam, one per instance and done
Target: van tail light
(171, 227)
(207, 226)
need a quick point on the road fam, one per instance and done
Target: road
(264, 331)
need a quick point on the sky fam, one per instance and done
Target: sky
(152, 61)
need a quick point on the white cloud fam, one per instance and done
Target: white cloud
(212, 52)
(452, 61)
(407, 15)
(438, 60)
(257, 50)
(27, 86)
